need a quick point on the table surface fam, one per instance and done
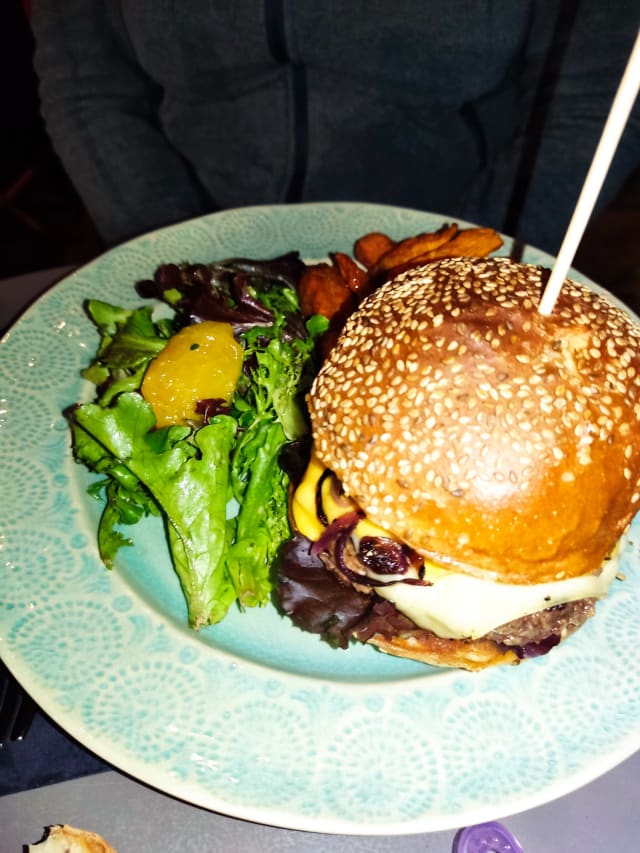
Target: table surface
(602, 815)
(135, 819)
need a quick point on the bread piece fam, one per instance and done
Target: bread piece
(68, 839)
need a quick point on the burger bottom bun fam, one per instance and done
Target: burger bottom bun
(428, 648)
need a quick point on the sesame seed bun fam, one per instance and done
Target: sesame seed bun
(491, 439)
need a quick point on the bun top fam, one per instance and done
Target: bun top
(490, 438)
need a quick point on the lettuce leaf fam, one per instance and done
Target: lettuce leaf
(219, 487)
(188, 480)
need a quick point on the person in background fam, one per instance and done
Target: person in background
(487, 111)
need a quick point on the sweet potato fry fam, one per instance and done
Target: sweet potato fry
(323, 290)
(469, 242)
(354, 276)
(404, 251)
(369, 248)
(335, 289)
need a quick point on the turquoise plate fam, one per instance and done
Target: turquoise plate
(252, 717)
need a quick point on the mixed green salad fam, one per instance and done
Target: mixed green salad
(217, 477)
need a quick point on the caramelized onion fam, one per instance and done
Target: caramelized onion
(344, 522)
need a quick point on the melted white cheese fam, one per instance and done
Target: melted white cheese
(455, 606)
(459, 606)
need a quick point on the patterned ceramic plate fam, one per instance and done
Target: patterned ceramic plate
(253, 718)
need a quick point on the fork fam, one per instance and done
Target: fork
(17, 709)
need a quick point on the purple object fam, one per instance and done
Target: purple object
(487, 838)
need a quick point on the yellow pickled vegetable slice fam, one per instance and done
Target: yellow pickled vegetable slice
(202, 361)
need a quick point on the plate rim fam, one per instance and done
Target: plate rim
(146, 774)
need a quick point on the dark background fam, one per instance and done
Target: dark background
(44, 224)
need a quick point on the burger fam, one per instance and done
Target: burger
(474, 466)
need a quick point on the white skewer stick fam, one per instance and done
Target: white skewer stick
(618, 115)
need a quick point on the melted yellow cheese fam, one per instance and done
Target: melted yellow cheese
(304, 506)
(454, 605)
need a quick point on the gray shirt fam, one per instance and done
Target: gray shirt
(164, 111)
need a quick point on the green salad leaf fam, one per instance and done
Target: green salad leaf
(218, 485)
(129, 339)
